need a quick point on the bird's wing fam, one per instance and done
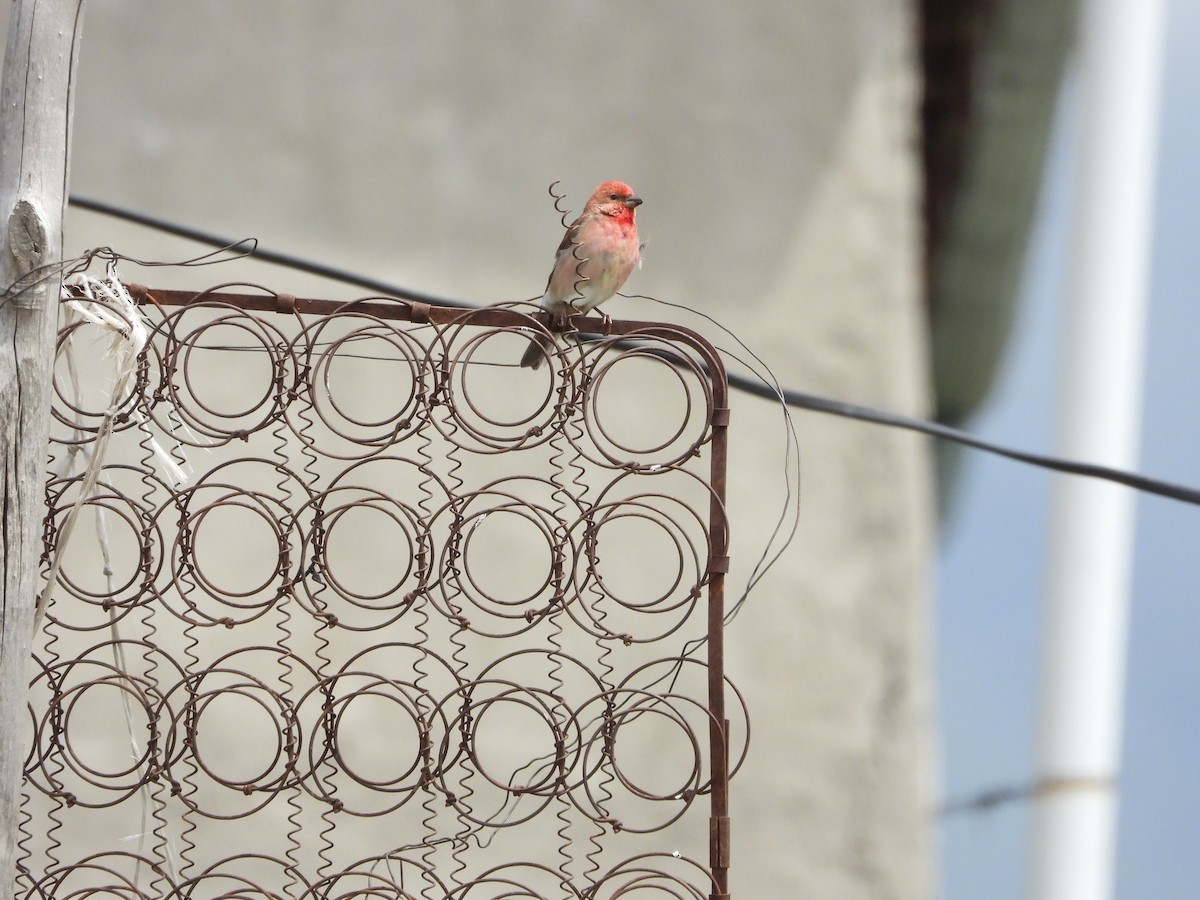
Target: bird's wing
(567, 248)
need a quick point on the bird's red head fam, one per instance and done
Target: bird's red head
(614, 198)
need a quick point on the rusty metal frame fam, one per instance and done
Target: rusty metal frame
(51, 746)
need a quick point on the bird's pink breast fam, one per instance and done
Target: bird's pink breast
(604, 258)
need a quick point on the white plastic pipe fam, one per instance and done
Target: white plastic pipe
(1092, 523)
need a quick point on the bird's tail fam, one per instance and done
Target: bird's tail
(539, 348)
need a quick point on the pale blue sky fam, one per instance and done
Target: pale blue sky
(993, 554)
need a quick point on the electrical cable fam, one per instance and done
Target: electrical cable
(274, 257)
(744, 384)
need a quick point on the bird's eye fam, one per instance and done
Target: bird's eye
(613, 197)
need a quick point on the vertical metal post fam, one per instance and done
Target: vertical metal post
(1078, 751)
(35, 129)
(719, 836)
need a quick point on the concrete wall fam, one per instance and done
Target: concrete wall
(774, 144)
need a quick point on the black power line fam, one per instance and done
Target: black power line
(276, 257)
(738, 382)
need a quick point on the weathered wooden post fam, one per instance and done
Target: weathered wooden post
(35, 132)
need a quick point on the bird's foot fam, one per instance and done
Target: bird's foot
(560, 318)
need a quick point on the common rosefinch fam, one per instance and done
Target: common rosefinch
(595, 258)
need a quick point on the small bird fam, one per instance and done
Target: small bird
(596, 256)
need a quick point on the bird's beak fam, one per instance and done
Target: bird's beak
(633, 202)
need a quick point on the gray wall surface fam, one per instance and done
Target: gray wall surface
(775, 146)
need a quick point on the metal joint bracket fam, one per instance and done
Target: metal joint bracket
(285, 304)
